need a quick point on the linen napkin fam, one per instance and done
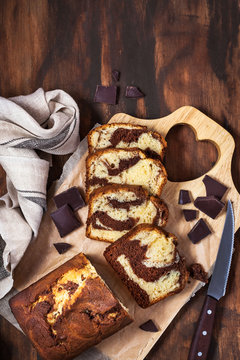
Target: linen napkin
(43, 121)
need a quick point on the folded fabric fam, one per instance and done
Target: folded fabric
(43, 121)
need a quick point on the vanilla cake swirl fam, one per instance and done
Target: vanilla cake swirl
(116, 209)
(120, 135)
(147, 261)
(124, 166)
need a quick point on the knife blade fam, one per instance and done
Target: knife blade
(217, 288)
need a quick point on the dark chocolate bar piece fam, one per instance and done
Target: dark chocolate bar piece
(210, 205)
(116, 75)
(213, 187)
(72, 197)
(184, 197)
(197, 272)
(189, 214)
(62, 247)
(199, 231)
(149, 326)
(106, 94)
(133, 92)
(65, 220)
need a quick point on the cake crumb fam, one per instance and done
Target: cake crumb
(198, 273)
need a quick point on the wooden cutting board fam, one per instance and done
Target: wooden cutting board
(132, 343)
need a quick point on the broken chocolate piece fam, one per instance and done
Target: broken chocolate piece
(116, 75)
(197, 272)
(106, 94)
(199, 231)
(189, 214)
(184, 197)
(133, 92)
(149, 326)
(213, 187)
(65, 220)
(210, 205)
(62, 247)
(72, 197)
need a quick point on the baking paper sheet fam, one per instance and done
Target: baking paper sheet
(41, 257)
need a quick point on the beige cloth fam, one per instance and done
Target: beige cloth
(45, 121)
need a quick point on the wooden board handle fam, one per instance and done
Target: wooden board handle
(203, 127)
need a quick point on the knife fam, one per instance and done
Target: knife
(217, 288)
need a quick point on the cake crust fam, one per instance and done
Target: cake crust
(125, 135)
(137, 274)
(68, 310)
(134, 203)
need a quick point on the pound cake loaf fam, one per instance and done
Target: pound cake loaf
(68, 310)
(147, 261)
(122, 135)
(116, 209)
(124, 166)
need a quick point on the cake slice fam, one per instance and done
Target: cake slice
(68, 310)
(124, 166)
(147, 261)
(122, 135)
(116, 209)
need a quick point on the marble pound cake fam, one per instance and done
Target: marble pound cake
(116, 209)
(68, 310)
(122, 135)
(147, 261)
(124, 166)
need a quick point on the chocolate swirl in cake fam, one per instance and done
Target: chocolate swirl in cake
(110, 223)
(124, 164)
(115, 209)
(126, 135)
(126, 204)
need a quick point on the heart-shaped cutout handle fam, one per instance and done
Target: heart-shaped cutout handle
(203, 127)
(186, 158)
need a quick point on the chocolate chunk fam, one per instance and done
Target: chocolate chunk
(210, 205)
(184, 197)
(213, 187)
(72, 197)
(62, 247)
(116, 75)
(149, 326)
(65, 220)
(133, 92)
(189, 214)
(197, 272)
(199, 231)
(106, 94)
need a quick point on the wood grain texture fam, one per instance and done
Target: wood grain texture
(178, 53)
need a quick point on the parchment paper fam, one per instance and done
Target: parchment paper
(131, 343)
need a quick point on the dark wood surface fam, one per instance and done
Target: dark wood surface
(178, 53)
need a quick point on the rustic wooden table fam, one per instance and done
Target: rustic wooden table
(178, 53)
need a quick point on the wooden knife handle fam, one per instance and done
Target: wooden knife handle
(203, 334)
